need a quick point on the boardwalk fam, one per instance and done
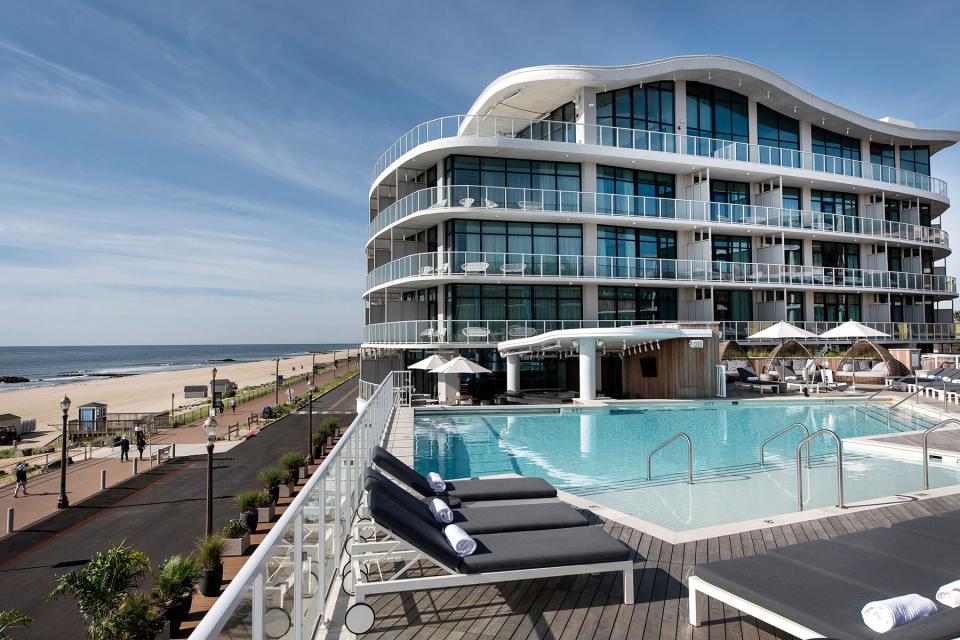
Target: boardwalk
(590, 607)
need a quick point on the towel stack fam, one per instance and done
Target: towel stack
(460, 540)
(441, 511)
(436, 482)
(949, 594)
(883, 615)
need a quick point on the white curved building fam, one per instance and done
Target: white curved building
(697, 190)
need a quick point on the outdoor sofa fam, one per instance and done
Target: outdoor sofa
(817, 589)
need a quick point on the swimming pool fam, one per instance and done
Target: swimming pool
(601, 454)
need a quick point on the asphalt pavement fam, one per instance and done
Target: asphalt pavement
(161, 513)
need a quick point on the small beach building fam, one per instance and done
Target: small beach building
(223, 384)
(195, 391)
(92, 416)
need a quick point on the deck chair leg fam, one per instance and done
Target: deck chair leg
(628, 583)
(697, 603)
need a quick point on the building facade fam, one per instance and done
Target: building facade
(698, 190)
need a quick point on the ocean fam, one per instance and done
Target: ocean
(45, 366)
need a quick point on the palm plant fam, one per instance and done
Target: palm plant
(175, 580)
(136, 618)
(102, 584)
(10, 619)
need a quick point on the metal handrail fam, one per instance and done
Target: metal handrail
(689, 456)
(926, 460)
(806, 433)
(900, 402)
(806, 441)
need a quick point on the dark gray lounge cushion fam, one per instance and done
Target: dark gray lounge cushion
(945, 527)
(529, 517)
(900, 543)
(544, 548)
(401, 471)
(479, 489)
(377, 481)
(410, 527)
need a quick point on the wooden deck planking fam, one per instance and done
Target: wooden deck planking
(584, 607)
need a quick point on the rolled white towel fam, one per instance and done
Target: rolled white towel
(460, 540)
(436, 482)
(883, 615)
(441, 511)
(949, 594)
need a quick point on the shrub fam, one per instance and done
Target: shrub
(211, 551)
(8, 452)
(13, 618)
(229, 393)
(175, 580)
(319, 438)
(274, 476)
(137, 616)
(246, 500)
(235, 528)
(264, 499)
(293, 460)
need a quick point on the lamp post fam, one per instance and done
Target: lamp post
(210, 429)
(276, 385)
(213, 392)
(172, 396)
(62, 502)
(310, 391)
(313, 371)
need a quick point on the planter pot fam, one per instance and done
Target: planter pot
(210, 581)
(265, 514)
(178, 613)
(317, 451)
(252, 518)
(304, 472)
(236, 546)
(274, 493)
(295, 474)
(286, 490)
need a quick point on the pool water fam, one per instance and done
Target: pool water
(601, 455)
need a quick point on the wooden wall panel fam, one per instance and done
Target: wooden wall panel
(682, 372)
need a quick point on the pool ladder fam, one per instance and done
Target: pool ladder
(689, 455)
(926, 448)
(806, 441)
(788, 428)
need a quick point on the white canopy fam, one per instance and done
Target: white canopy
(431, 362)
(460, 365)
(853, 329)
(782, 331)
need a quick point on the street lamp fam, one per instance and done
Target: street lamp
(310, 391)
(62, 502)
(313, 371)
(213, 393)
(276, 385)
(210, 430)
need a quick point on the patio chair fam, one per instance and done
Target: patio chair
(749, 378)
(470, 490)
(829, 383)
(499, 557)
(489, 204)
(818, 588)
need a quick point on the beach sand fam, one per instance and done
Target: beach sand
(144, 392)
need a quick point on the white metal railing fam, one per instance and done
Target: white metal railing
(615, 205)
(282, 589)
(493, 126)
(720, 374)
(490, 332)
(529, 266)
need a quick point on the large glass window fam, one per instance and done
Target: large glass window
(732, 249)
(553, 126)
(791, 198)
(724, 193)
(523, 183)
(624, 184)
(546, 248)
(795, 306)
(792, 251)
(781, 132)
(623, 305)
(647, 107)
(834, 202)
(714, 112)
(509, 302)
(882, 154)
(622, 244)
(836, 255)
(916, 159)
(836, 307)
(732, 306)
(833, 144)
(891, 210)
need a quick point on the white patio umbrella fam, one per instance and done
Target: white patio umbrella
(782, 331)
(852, 329)
(460, 365)
(428, 363)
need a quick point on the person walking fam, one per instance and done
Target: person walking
(141, 443)
(233, 404)
(21, 472)
(124, 448)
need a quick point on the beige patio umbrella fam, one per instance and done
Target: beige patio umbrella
(782, 331)
(853, 330)
(429, 363)
(460, 365)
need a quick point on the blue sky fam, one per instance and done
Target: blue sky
(196, 172)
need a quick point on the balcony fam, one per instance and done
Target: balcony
(424, 269)
(466, 126)
(487, 333)
(544, 201)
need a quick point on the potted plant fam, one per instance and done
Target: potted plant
(319, 439)
(293, 461)
(137, 616)
(101, 586)
(236, 537)
(173, 588)
(329, 426)
(272, 478)
(210, 550)
(247, 503)
(265, 510)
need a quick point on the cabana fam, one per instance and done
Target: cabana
(733, 356)
(867, 362)
(793, 355)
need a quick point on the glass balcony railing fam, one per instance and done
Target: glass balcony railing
(526, 129)
(606, 204)
(490, 332)
(529, 267)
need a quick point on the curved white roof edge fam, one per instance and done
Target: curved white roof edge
(624, 75)
(631, 335)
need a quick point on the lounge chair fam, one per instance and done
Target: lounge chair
(817, 589)
(828, 382)
(468, 490)
(749, 378)
(499, 557)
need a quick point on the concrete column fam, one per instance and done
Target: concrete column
(513, 373)
(752, 129)
(591, 306)
(586, 106)
(588, 369)
(806, 136)
(680, 106)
